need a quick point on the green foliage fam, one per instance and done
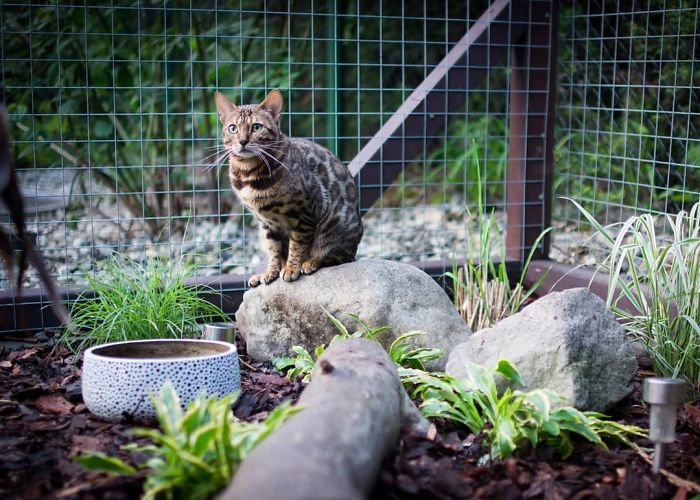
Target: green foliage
(196, 452)
(514, 419)
(659, 275)
(400, 351)
(302, 364)
(482, 291)
(405, 356)
(631, 151)
(135, 113)
(135, 301)
(451, 168)
(125, 120)
(105, 463)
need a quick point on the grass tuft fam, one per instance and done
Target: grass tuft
(133, 301)
(482, 290)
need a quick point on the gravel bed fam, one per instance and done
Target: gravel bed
(73, 243)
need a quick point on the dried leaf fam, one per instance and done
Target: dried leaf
(693, 415)
(53, 403)
(5, 364)
(83, 444)
(28, 353)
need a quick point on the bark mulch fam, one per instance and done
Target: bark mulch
(44, 424)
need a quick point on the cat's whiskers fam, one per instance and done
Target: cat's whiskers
(276, 150)
(274, 158)
(257, 153)
(218, 162)
(215, 153)
(217, 158)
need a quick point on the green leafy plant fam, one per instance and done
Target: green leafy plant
(513, 419)
(299, 365)
(196, 452)
(139, 301)
(404, 355)
(302, 363)
(659, 276)
(400, 351)
(482, 290)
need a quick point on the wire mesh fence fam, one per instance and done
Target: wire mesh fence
(113, 122)
(629, 111)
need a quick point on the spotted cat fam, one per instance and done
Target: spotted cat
(303, 196)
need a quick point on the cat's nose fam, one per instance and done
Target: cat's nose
(243, 142)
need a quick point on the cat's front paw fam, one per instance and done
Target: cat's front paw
(267, 277)
(309, 266)
(291, 272)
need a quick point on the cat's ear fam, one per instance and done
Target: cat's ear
(224, 106)
(273, 104)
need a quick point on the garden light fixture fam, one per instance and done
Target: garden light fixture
(663, 396)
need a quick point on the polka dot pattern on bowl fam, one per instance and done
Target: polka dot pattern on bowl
(114, 387)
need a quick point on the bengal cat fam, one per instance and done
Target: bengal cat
(303, 196)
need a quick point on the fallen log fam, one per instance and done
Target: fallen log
(354, 408)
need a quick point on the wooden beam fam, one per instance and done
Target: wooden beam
(559, 276)
(531, 123)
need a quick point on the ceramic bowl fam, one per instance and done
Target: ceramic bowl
(118, 377)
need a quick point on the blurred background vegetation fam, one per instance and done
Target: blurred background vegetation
(120, 97)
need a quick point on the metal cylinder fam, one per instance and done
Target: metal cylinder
(663, 391)
(662, 423)
(225, 332)
(663, 395)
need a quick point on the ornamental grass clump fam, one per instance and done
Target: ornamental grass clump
(659, 275)
(128, 300)
(482, 291)
(196, 452)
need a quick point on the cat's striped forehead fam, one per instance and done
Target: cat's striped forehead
(249, 114)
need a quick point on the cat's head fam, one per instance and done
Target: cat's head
(251, 127)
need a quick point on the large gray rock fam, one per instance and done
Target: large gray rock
(275, 317)
(566, 341)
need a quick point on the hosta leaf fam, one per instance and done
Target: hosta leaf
(282, 363)
(505, 437)
(302, 352)
(105, 463)
(551, 427)
(481, 380)
(582, 430)
(168, 408)
(204, 439)
(508, 370)
(564, 446)
(195, 417)
(531, 435)
(541, 403)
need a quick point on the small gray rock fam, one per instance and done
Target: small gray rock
(275, 317)
(567, 341)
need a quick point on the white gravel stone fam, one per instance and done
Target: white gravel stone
(406, 234)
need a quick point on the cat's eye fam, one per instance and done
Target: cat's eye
(232, 129)
(257, 127)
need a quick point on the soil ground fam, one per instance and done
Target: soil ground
(44, 424)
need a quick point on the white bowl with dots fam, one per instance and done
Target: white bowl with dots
(117, 378)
